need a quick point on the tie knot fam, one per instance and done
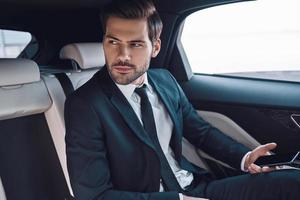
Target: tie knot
(141, 91)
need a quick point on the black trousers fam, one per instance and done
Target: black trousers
(276, 185)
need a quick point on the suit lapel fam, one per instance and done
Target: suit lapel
(124, 108)
(175, 140)
(131, 119)
(165, 99)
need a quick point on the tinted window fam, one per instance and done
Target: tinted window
(12, 43)
(247, 39)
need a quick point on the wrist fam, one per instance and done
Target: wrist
(246, 162)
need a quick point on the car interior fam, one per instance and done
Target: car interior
(66, 50)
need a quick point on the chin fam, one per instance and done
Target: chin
(122, 81)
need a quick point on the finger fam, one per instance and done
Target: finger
(267, 169)
(269, 146)
(254, 169)
(251, 170)
(264, 149)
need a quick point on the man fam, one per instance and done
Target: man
(125, 128)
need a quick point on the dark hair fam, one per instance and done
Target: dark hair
(134, 9)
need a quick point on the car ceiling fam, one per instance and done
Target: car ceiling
(59, 22)
(177, 6)
(20, 14)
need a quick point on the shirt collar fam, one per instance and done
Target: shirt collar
(128, 90)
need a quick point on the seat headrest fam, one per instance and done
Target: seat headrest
(18, 71)
(87, 55)
(22, 92)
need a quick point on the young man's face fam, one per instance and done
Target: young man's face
(128, 49)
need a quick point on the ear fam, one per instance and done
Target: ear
(156, 48)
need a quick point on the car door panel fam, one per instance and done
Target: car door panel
(262, 108)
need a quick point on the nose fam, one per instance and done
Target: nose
(124, 53)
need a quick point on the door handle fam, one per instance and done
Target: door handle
(296, 119)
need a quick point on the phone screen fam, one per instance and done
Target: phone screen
(276, 159)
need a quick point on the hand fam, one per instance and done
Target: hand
(259, 151)
(193, 198)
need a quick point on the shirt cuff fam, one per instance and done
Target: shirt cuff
(243, 162)
(180, 196)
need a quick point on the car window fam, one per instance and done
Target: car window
(12, 43)
(258, 39)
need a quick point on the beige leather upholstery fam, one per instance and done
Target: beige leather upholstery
(79, 78)
(87, 55)
(55, 115)
(18, 71)
(55, 120)
(21, 90)
(22, 93)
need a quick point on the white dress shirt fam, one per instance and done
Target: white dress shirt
(164, 127)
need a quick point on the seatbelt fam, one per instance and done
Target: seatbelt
(65, 83)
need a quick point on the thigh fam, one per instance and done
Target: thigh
(282, 184)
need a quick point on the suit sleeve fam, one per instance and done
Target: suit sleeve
(87, 158)
(208, 138)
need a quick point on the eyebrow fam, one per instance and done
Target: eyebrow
(139, 41)
(112, 37)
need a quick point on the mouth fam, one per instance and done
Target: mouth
(122, 69)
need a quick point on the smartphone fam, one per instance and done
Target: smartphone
(290, 159)
(296, 119)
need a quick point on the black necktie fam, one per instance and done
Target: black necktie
(169, 180)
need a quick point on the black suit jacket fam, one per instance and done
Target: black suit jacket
(109, 155)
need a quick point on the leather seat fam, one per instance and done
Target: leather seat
(29, 167)
(87, 59)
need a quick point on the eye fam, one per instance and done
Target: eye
(136, 44)
(113, 42)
